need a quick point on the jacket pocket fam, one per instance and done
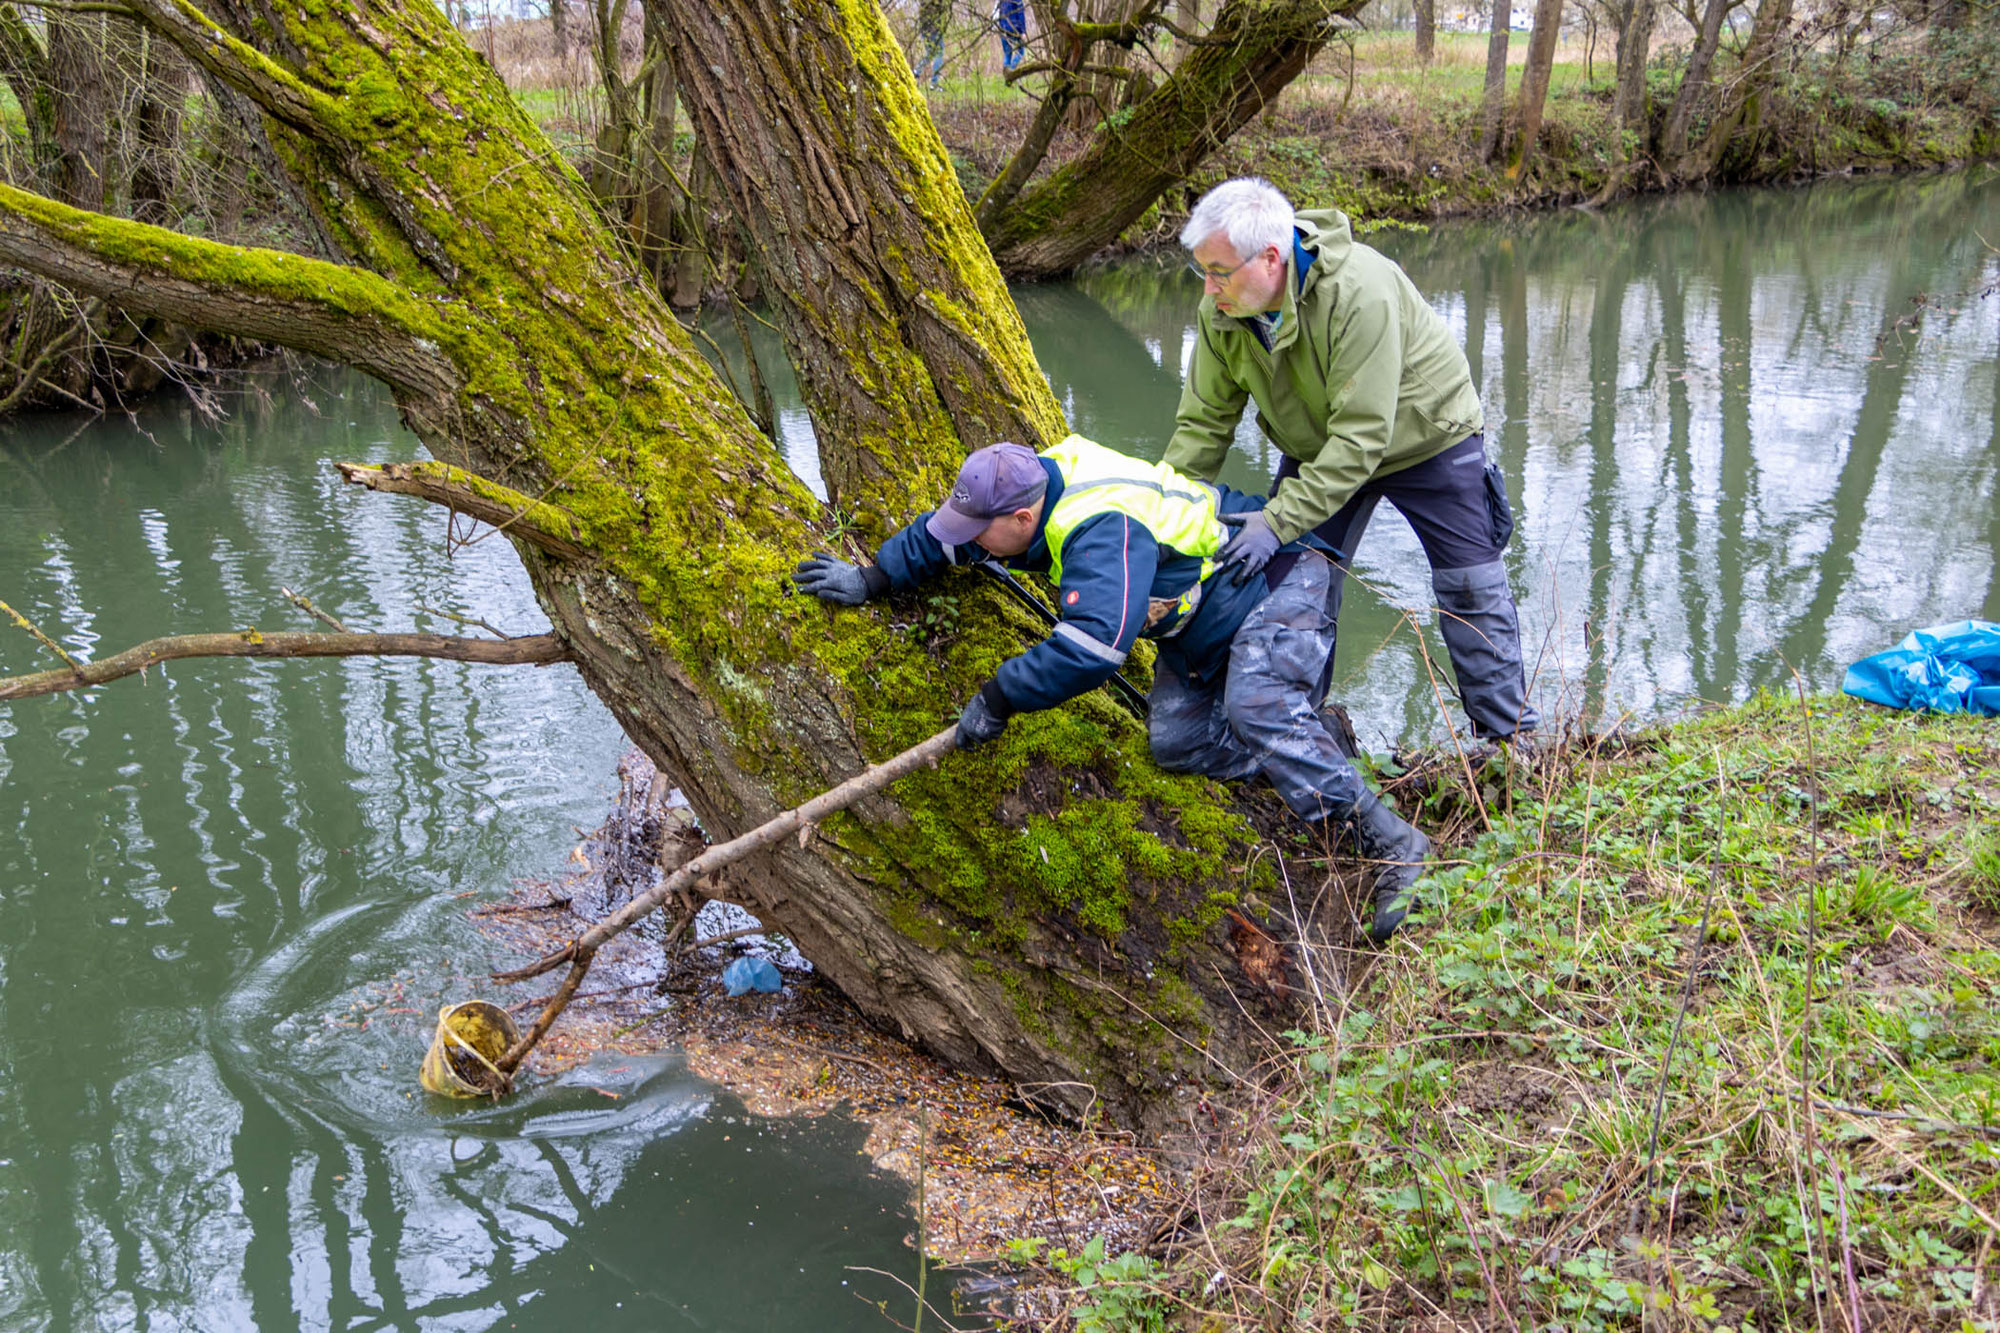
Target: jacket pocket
(1498, 511)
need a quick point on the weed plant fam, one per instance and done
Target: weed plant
(1699, 1034)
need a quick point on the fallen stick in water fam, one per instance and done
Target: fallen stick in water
(584, 947)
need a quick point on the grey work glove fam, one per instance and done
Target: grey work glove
(831, 579)
(1251, 548)
(984, 718)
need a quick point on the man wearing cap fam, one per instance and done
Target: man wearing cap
(1132, 549)
(1369, 397)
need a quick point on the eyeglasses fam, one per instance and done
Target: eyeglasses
(1214, 274)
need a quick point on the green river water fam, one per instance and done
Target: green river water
(1739, 444)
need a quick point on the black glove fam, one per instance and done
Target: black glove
(985, 717)
(831, 579)
(1251, 548)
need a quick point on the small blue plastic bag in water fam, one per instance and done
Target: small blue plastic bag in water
(748, 974)
(1951, 668)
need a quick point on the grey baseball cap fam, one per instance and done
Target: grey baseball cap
(995, 480)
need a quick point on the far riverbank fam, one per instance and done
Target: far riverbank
(1369, 130)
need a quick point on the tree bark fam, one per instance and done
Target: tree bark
(865, 245)
(24, 63)
(1635, 41)
(1101, 90)
(1253, 49)
(1051, 908)
(1696, 83)
(1426, 18)
(1494, 102)
(1739, 111)
(1535, 80)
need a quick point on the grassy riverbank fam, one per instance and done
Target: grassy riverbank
(1701, 1034)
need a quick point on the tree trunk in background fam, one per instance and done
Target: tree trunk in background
(1426, 16)
(1696, 84)
(161, 87)
(1494, 102)
(24, 64)
(655, 197)
(1740, 107)
(1535, 80)
(81, 70)
(1081, 207)
(1635, 40)
(103, 100)
(1000, 194)
(1050, 909)
(559, 26)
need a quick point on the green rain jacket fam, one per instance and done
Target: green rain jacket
(1362, 379)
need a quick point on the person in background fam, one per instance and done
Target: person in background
(1011, 17)
(1368, 395)
(933, 17)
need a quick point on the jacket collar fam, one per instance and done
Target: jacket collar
(1038, 550)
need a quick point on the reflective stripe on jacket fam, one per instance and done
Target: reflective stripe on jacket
(1178, 510)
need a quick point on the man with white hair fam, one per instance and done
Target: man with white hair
(1364, 390)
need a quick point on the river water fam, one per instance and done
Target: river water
(232, 894)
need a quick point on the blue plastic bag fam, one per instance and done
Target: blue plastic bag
(1951, 668)
(748, 974)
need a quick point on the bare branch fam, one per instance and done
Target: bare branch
(42, 638)
(550, 527)
(341, 313)
(305, 604)
(537, 650)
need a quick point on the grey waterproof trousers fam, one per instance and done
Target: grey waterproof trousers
(1262, 714)
(1458, 507)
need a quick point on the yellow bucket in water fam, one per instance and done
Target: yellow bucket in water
(464, 1058)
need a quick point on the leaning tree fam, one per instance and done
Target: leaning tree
(1052, 908)
(1044, 226)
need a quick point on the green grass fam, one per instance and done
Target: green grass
(1467, 1128)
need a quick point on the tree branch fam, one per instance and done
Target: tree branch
(279, 92)
(341, 313)
(536, 650)
(536, 522)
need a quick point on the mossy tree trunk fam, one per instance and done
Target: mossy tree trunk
(1051, 908)
(1252, 50)
(906, 346)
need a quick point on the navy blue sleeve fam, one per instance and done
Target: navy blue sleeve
(913, 556)
(1107, 571)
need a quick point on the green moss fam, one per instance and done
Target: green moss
(591, 413)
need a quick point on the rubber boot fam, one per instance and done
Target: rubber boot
(1399, 853)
